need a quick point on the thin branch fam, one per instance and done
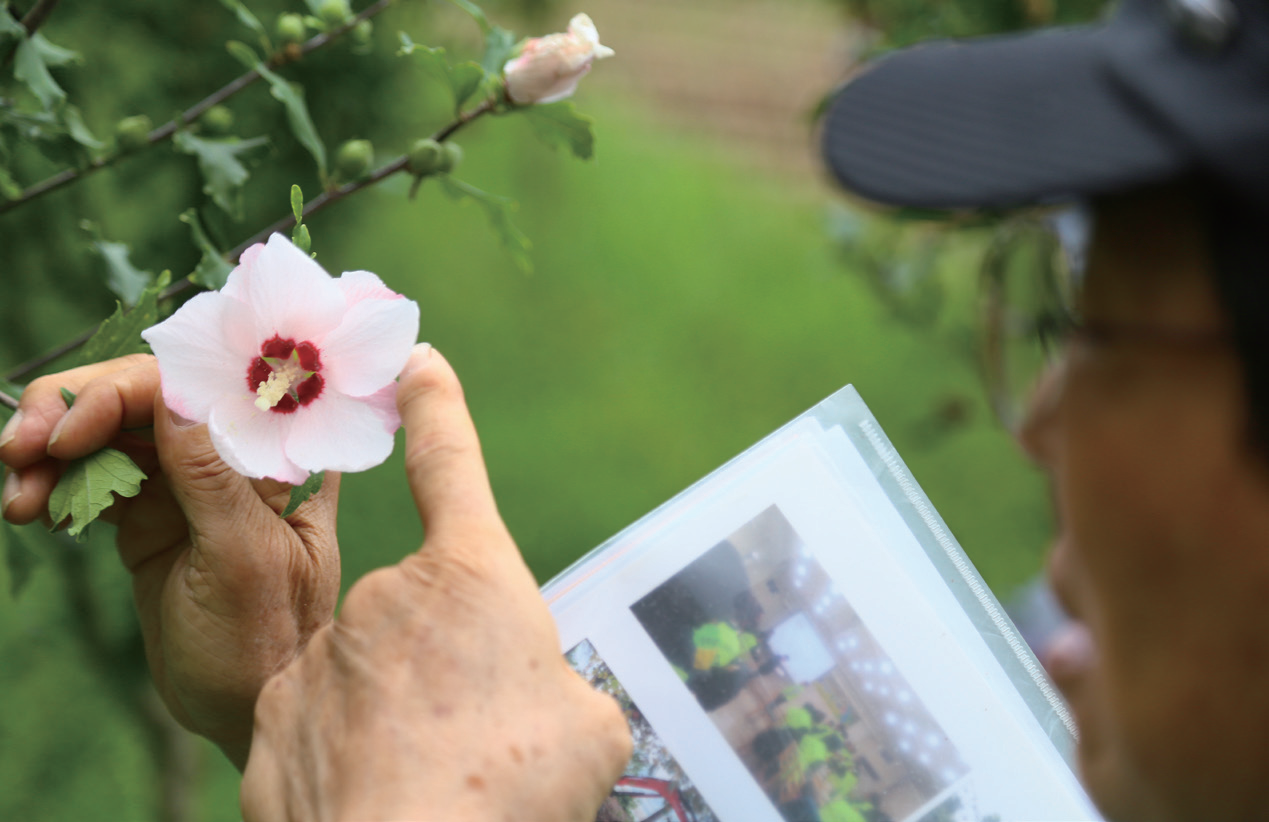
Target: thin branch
(311, 207)
(8, 401)
(32, 21)
(165, 131)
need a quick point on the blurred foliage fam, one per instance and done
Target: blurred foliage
(903, 22)
(678, 313)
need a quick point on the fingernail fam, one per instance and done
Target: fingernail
(418, 357)
(179, 421)
(10, 430)
(57, 429)
(12, 490)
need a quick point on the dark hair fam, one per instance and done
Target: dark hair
(1238, 242)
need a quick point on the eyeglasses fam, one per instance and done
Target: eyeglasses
(1031, 276)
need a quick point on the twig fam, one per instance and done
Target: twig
(165, 131)
(32, 21)
(311, 207)
(8, 401)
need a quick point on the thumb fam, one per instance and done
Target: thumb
(212, 495)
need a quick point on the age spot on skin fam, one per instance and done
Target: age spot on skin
(534, 664)
(517, 754)
(475, 782)
(442, 711)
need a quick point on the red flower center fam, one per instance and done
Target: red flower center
(285, 375)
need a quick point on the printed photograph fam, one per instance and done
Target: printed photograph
(654, 787)
(797, 684)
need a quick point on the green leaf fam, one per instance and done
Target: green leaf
(212, 269)
(9, 187)
(89, 485)
(10, 28)
(120, 334)
(19, 558)
(498, 212)
(300, 237)
(300, 493)
(499, 44)
(78, 131)
(560, 124)
(29, 67)
(249, 20)
(219, 161)
(68, 397)
(476, 13)
(124, 279)
(465, 79)
(291, 96)
(297, 204)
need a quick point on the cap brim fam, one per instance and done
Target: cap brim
(995, 123)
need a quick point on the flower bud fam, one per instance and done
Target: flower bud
(217, 120)
(549, 68)
(451, 156)
(132, 133)
(334, 12)
(425, 157)
(353, 159)
(291, 29)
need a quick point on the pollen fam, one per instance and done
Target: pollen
(285, 375)
(271, 391)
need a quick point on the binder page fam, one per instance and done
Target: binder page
(796, 638)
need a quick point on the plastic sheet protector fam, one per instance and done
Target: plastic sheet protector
(799, 637)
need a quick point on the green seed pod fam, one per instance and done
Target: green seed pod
(217, 120)
(334, 12)
(353, 159)
(131, 133)
(291, 29)
(425, 157)
(452, 156)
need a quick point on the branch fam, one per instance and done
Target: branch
(32, 21)
(312, 207)
(7, 401)
(165, 131)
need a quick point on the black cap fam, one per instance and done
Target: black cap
(1162, 90)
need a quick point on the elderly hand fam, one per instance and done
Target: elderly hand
(226, 591)
(440, 692)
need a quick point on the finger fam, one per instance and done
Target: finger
(105, 406)
(25, 437)
(26, 491)
(443, 462)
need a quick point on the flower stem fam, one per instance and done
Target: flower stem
(165, 131)
(7, 401)
(32, 21)
(311, 207)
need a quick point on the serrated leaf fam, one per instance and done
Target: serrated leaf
(89, 485)
(220, 163)
(124, 279)
(465, 79)
(476, 13)
(249, 20)
(78, 131)
(301, 493)
(498, 213)
(212, 269)
(19, 558)
(291, 96)
(499, 43)
(120, 334)
(297, 204)
(560, 124)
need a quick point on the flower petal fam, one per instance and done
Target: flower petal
(369, 348)
(288, 294)
(338, 433)
(252, 441)
(363, 285)
(384, 402)
(203, 354)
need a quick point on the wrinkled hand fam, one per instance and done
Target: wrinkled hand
(440, 692)
(226, 591)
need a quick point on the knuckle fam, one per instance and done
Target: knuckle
(370, 594)
(455, 572)
(436, 448)
(429, 383)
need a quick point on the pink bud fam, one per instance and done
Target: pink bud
(549, 68)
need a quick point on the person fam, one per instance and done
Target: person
(1152, 420)
(393, 710)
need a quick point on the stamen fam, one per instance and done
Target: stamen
(271, 391)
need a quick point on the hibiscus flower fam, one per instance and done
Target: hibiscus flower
(292, 370)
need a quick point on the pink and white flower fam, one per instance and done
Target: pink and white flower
(292, 370)
(549, 68)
